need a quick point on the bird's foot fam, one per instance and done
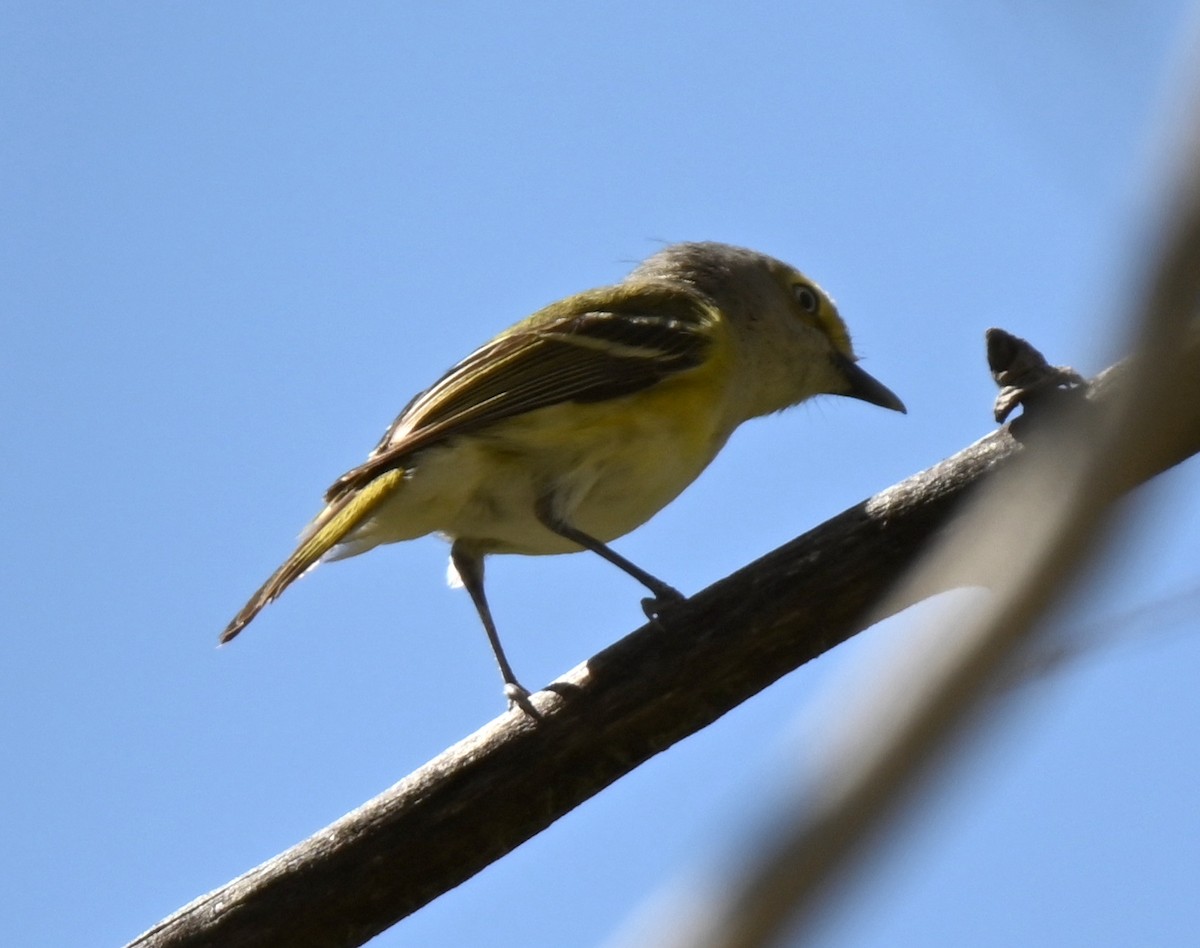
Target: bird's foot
(518, 696)
(664, 597)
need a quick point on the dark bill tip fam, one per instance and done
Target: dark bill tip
(867, 388)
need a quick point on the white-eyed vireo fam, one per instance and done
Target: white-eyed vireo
(580, 423)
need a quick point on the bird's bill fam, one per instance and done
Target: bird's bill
(866, 387)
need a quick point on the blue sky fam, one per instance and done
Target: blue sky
(240, 236)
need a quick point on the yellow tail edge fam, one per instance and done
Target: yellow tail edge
(331, 525)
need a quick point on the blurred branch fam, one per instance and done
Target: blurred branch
(1174, 613)
(492, 791)
(1030, 533)
(1027, 539)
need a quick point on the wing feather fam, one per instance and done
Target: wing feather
(596, 346)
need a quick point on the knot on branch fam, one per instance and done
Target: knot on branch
(1024, 375)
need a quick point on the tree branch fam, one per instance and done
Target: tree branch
(493, 790)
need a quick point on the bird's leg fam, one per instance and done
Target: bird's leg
(469, 567)
(664, 595)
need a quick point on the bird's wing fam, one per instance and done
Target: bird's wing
(588, 348)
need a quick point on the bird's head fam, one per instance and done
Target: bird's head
(791, 341)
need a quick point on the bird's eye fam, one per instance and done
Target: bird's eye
(807, 297)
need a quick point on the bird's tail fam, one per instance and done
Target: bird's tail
(329, 528)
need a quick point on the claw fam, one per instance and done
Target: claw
(518, 696)
(663, 598)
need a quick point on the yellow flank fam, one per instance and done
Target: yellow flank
(610, 466)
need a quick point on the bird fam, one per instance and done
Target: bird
(579, 423)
